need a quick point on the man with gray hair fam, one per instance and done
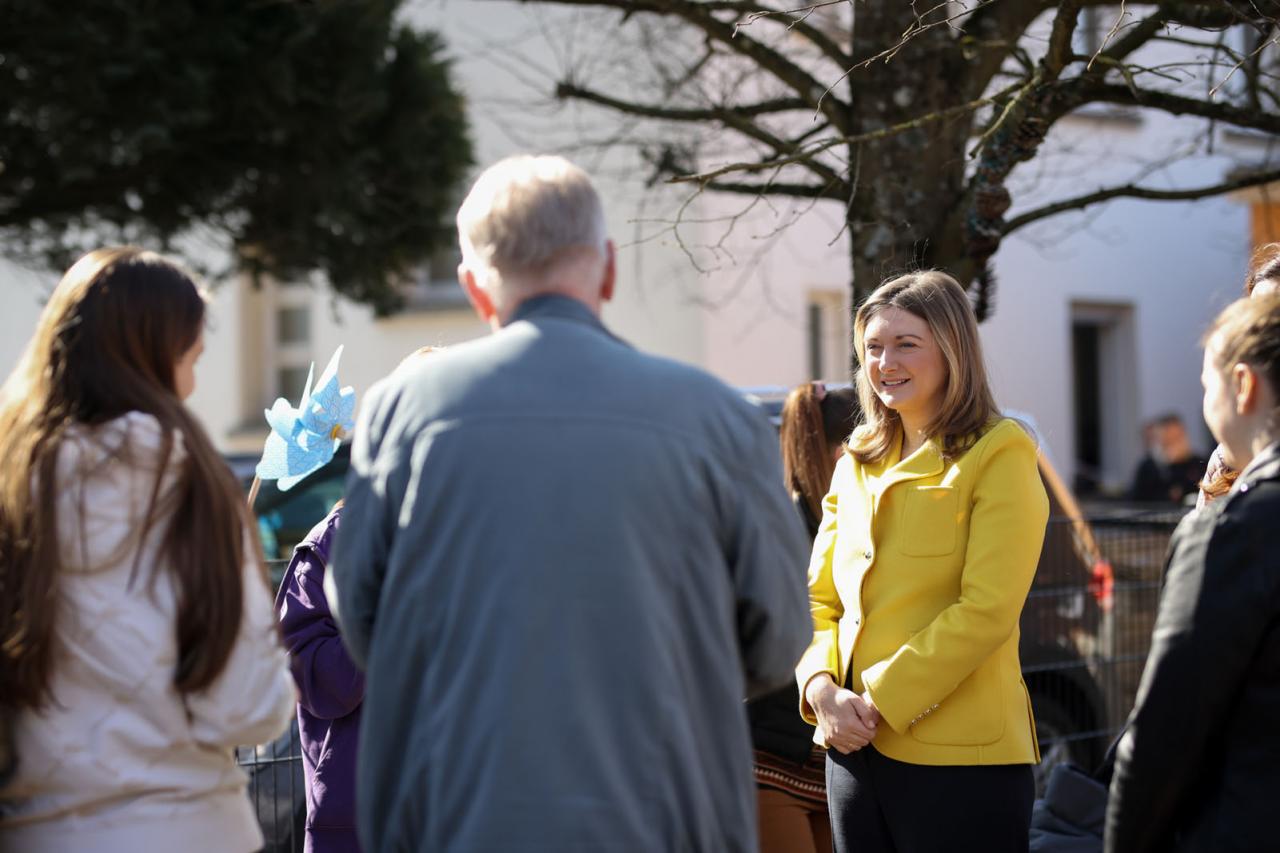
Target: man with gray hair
(564, 564)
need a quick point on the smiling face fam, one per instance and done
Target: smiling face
(904, 365)
(1233, 397)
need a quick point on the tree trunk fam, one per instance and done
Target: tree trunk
(905, 186)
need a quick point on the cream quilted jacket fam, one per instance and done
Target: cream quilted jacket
(119, 762)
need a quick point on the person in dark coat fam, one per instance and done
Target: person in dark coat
(330, 692)
(1172, 469)
(790, 769)
(565, 564)
(1198, 768)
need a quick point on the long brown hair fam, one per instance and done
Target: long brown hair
(815, 422)
(107, 344)
(968, 405)
(1264, 265)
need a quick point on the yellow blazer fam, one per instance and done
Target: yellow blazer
(918, 577)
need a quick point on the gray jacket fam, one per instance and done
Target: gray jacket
(564, 564)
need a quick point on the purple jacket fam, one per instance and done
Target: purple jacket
(330, 692)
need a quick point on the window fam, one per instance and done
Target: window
(827, 335)
(293, 325)
(816, 367)
(436, 286)
(291, 381)
(443, 266)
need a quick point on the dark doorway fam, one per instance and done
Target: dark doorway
(1086, 366)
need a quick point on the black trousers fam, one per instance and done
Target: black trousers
(879, 805)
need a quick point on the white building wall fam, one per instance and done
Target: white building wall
(743, 312)
(507, 54)
(789, 254)
(22, 292)
(217, 400)
(1174, 264)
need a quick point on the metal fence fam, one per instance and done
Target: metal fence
(1086, 630)
(275, 775)
(1100, 624)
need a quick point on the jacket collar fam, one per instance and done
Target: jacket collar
(925, 462)
(1265, 466)
(558, 307)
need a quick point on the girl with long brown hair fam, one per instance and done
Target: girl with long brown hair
(928, 542)
(137, 644)
(791, 793)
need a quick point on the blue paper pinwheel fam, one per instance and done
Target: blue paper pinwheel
(302, 440)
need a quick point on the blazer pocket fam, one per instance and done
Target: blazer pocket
(930, 520)
(973, 715)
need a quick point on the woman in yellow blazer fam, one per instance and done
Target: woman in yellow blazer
(928, 544)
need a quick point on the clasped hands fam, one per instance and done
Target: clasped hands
(847, 721)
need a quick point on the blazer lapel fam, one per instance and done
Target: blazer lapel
(925, 462)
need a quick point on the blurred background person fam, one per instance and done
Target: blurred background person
(138, 644)
(1198, 767)
(790, 769)
(928, 543)
(1172, 468)
(1263, 280)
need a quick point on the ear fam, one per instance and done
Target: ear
(479, 298)
(610, 271)
(1245, 381)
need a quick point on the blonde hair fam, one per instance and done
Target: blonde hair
(1248, 332)
(968, 405)
(525, 213)
(1264, 265)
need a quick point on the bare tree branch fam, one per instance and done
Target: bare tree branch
(804, 84)
(1212, 14)
(835, 141)
(1131, 191)
(1059, 53)
(1177, 105)
(895, 100)
(1136, 36)
(835, 191)
(794, 19)
(737, 118)
(754, 12)
(995, 29)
